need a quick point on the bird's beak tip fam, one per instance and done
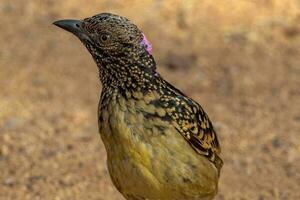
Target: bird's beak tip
(55, 23)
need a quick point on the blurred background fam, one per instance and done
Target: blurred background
(239, 58)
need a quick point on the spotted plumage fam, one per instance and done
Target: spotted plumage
(160, 143)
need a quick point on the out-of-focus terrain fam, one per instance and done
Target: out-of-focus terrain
(239, 58)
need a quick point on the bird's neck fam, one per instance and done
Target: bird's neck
(129, 71)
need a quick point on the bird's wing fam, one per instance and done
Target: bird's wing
(198, 130)
(194, 125)
(205, 138)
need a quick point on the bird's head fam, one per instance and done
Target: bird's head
(117, 45)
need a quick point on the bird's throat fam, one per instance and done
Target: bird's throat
(127, 73)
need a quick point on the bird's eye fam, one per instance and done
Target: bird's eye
(104, 37)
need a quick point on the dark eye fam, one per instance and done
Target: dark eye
(104, 37)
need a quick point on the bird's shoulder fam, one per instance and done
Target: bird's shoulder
(191, 121)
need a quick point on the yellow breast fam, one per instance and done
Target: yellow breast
(146, 157)
(128, 158)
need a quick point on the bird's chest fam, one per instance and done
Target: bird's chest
(116, 122)
(123, 121)
(122, 130)
(112, 123)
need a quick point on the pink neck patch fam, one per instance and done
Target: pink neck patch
(146, 43)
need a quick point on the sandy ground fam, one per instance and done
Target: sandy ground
(239, 58)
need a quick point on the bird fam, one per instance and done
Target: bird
(160, 143)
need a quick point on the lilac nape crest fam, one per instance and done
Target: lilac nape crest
(146, 43)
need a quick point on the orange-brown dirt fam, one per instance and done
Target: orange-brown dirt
(239, 58)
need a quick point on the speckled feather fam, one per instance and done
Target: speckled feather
(140, 76)
(143, 119)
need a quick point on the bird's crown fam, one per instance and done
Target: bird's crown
(110, 32)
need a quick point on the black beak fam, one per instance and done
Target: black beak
(73, 26)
